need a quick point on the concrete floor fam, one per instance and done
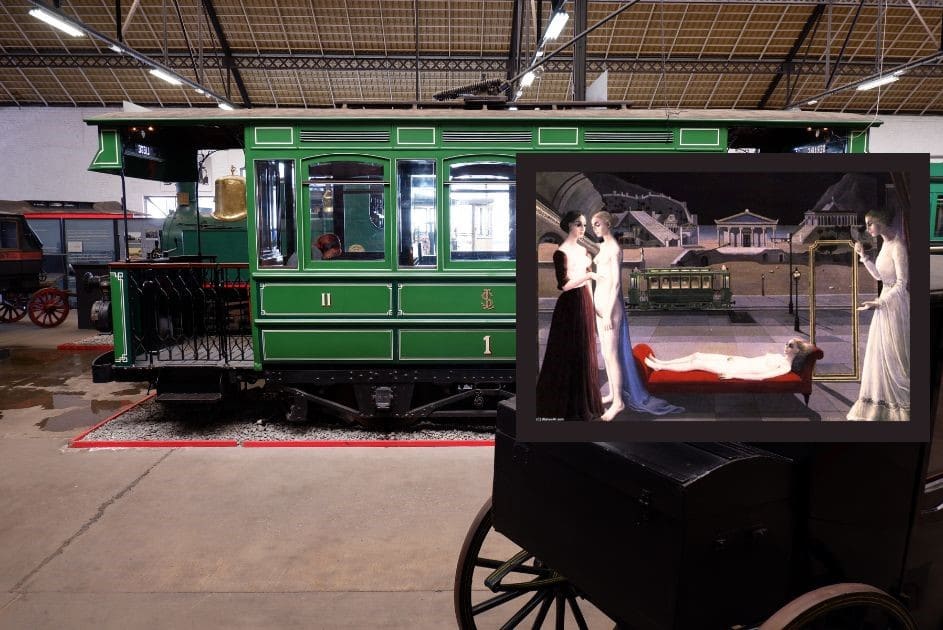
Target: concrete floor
(223, 538)
(212, 538)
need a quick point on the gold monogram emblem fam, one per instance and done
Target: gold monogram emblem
(487, 300)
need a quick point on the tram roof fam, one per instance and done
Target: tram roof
(243, 117)
(680, 270)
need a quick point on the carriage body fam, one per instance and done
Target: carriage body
(657, 535)
(21, 254)
(675, 535)
(23, 287)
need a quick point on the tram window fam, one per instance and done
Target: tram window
(665, 283)
(8, 238)
(938, 229)
(695, 282)
(706, 282)
(685, 283)
(347, 211)
(275, 208)
(482, 211)
(675, 283)
(416, 202)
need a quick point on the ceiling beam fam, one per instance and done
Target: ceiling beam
(495, 64)
(912, 68)
(514, 48)
(228, 61)
(791, 55)
(927, 4)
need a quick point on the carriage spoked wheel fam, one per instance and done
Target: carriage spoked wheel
(48, 307)
(13, 306)
(850, 606)
(497, 585)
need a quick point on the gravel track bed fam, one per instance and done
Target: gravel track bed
(261, 418)
(95, 340)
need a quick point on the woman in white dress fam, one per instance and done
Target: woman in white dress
(885, 373)
(626, 389)
(727, 366)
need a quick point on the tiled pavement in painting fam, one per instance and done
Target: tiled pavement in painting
(675, 334)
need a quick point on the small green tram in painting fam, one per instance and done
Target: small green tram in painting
(377, 279)
(685, 288)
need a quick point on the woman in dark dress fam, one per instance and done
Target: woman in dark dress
(568, 383)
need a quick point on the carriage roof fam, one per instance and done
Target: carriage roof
(263, 115)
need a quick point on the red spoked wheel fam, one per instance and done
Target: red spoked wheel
(49, 307)
(13, 306)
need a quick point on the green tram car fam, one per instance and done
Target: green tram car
(679, 288)
(377, 276)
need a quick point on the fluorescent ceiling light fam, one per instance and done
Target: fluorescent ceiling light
(556, 25)
(812, 102)
(528, 79)
(873, 83)
(198, 91)
(54, 20)
(117, 49)
(225, 106)
(163, 76)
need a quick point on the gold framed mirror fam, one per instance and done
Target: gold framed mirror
(833, 315)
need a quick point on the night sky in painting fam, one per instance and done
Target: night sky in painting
(786, 196)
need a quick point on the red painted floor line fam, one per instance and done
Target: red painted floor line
(154, 444)
(80, 347)
(110, 418)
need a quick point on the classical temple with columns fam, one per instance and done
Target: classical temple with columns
(746, 229)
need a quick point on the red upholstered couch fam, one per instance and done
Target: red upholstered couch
(701, 382)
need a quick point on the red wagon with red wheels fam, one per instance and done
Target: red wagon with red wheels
(23, 289)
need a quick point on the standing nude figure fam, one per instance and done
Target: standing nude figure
(626, 389)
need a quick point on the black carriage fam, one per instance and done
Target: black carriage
(705, 536)
(23, 286)
(711, 535)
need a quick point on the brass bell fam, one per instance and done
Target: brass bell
(230, 197)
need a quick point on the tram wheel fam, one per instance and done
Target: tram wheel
(840, 606)
(490, 592)
(48, 307)
(13, 306)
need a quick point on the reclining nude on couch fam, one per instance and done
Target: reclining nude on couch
(700, 372)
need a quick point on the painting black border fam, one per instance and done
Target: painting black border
(918, 429)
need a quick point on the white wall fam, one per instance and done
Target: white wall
(45, 153)
(909, 134)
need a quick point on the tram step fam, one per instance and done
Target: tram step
(190, 397)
